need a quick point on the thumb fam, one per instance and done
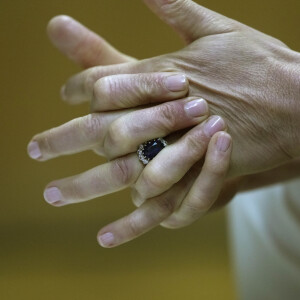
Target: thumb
(82, 45)
(189, 19)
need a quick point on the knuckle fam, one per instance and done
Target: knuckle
(47, 141)
(132, 223)
(100, 90)
(168, 116)
(75, 190)
(152, 181)
(166, 205)
(195, 143)
(116, 137)
(150, 83)
(89, 126)
(198, 203)
(196, 207)
(122, 171)
(111, 85)
(110, 89)
(162, 63)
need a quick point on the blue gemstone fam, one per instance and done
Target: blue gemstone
(152, 148)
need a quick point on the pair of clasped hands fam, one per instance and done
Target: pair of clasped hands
(214, 91)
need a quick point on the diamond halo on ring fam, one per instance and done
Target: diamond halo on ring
(148, 150)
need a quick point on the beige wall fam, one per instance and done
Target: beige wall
(50, 253)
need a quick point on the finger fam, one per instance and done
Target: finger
(189, 19)
(79, 88)
(207, 186)
(104, 179)
(130, 90)
(183, 186)
(78, 135)
(128, 132)
(174, 161)
(149, 215)
(81, 44)
(86, 132)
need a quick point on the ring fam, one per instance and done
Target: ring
(148, 150)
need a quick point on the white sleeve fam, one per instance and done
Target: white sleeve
(265, 239)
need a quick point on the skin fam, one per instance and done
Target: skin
(177, 200)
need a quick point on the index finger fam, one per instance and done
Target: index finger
(82, 45)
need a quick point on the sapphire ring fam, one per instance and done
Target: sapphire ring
(148, 150)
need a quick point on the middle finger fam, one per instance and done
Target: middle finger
(127, 132)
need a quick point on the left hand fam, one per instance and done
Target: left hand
(170, 183)
(121, 172)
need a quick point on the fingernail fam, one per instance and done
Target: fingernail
(176, 83)
(34, 150)
(106, 239)
(223, 142)
(52, 195)
(213, 125)
(63, 93)
(196, 108)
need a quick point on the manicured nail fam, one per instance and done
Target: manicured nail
(106, 239)
(223, 142)
(213, 125)
(196, 108)
(34, 150)
(176, 83)
(52, 195)
(63, 93)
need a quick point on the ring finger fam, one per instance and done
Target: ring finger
(127, 132)
(160, 209)
(175, 160)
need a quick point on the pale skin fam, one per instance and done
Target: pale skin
(178, 192)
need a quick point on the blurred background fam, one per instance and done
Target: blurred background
(52, 253)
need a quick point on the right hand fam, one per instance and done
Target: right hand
(247, 77)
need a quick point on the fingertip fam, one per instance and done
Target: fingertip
(176, 82)
(223, 142)
(213, 125)
(34, 150)
(197, 108)
(65, 33)
(56, 23)
(53, 196)
(106, 240)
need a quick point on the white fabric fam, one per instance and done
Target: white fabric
(265, 236)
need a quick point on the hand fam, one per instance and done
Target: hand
(120, 172)
(247, 77)
(170, 184)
